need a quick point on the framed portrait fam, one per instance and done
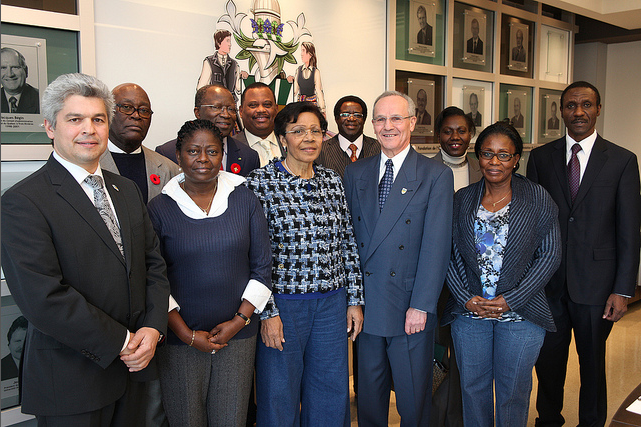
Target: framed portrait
(422, 92)
(474, 104)
(518, 46)
(24, 78)
(13, 329)
(517, 104)
(465, 94)
(551, 125)
(475, 41)
(422, 24)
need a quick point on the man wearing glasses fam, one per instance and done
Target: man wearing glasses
(126, 155)
(401, 205)
(216, 104)
(350, 113)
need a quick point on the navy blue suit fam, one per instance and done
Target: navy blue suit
(242, 155)
(404, 251)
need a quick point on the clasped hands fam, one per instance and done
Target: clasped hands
(218, 337)
(483, 307)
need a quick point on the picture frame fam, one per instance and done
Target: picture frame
(518, 110)
(518, 46)
(422, 27)
(475, 41)
(422, 92)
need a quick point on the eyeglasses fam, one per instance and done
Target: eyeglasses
(127, 109)
(489, 155)
(355, 115)
(395, 120)
(220, 108)
(301, 133)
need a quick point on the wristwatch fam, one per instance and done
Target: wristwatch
(245, 318)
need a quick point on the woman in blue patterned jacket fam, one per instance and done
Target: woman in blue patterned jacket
(301, 363)
(506, 246)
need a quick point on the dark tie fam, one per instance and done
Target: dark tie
(14, 104)
(474, 49)
(574, 172)
(102, 204)
(385, 185)
(353, 147)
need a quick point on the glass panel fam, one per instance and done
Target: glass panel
(516, 106)
(551, 125)
(517, 46)
(420, 28)
(473, 37)
(554, 54)
(471, 95)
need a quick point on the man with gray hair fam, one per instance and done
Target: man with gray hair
(401, 204)
(17, 96)
(82, 262)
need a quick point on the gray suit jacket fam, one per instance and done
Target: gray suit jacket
(474, 171)
(155, 164)
(333, 157)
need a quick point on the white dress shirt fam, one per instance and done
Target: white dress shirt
(345, 143)
(583, 155)
(265, 154)
(397, 161)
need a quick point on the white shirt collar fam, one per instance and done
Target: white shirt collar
(397, 161)
(115, 149)
(227, 182)
(345, 143)
(586, 143)
(253, 139)
(78, 172)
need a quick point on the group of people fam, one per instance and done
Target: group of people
(153, 303)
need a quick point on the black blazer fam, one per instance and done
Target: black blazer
(244, 157)
(79, 294)
(425, 37)
(333, 157)
(470, 46)
(600, 230)
(29, 101)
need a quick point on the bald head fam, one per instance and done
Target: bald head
(132, 118)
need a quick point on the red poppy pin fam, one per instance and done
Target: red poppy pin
(235, 168)
(154, 178)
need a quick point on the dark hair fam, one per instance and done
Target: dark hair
(309, 47)
(290, 114)
(200, 93)
(500, 128)
(451, 112)
(582, 83)
(19, 323)
(255, 85)
(350, 98)
(219, 36)
(421, 8)
(190, 127)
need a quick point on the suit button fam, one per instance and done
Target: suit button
(367, 273)
(401, 247)
(128, 317)
(362, 245)
(408, 221)
(571, 219)
(392, 273)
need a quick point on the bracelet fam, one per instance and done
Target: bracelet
(245, 318)
(193, 336)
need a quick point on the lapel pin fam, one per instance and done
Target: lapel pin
(114, 186)
(404, 190)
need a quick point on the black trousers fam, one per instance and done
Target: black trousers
(590, 334)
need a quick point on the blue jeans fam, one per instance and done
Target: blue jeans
(503, 352)
(307, 383)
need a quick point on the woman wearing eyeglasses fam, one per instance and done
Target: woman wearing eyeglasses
(301, 360)
(506, 246)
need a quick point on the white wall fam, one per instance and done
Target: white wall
(161, 44)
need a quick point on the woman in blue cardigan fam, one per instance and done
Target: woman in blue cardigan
(506, 246)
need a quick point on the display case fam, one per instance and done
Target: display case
(555, 46)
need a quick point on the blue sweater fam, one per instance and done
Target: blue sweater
(210, 261)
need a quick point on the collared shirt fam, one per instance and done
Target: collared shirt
(9, 96)
(583, 155)
(461, 173)
(255, 292)
(345, 143)
(255, 142)
(115, 149)
(397, 160)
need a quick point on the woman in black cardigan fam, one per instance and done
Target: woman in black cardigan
(506, 246)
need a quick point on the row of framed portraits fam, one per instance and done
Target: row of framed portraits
(475, 98)
(420, 38)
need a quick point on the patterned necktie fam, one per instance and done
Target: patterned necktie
(574, 172)
(13, 103)
(102, 204)
(353, 147)
(267, 148)
(385, 185)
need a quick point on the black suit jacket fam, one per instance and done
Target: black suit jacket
(29, 101)
(9, 368)
(518, 54)
(426, 120)
(600, 230)
(425, 37)
(553, 123)
(478, 120)
(79, 294)
(479, 46)
(240, 158)
(518, 121)
(333, 157)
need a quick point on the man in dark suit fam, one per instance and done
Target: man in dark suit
(424, 35)
(258, 108)
(126, 155)
(595, 184)
(518, 121)
(350, 113)
(83, 264)
(401, 204)
(422, 116)
(474, 114)
(553, 122)
(216, 104)
(518, 51)
(17, 96)
(475, 44)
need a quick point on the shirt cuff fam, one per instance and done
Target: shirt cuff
(418, 309)
(257, 294)
(172, 304)
(624, 296)
(126, 341)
